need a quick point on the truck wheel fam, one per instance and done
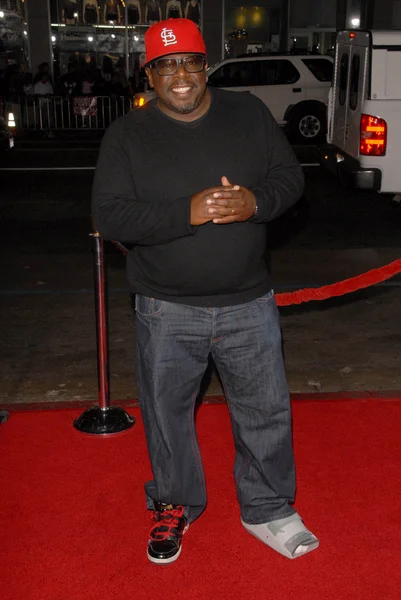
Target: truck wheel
(308, 125)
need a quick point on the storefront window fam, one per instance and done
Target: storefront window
(13, 38)
(104, 39)
(247, 27)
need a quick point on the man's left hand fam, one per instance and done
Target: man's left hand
(231, 203)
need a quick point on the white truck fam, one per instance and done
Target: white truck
(364, 111)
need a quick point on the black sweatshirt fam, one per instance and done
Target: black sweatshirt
(149, 167)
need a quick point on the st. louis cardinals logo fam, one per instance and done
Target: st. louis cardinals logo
(168, 37)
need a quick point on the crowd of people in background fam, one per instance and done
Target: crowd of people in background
(47, 101)
(79, 79)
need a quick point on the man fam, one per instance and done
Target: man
(43, 90)
(191, 179)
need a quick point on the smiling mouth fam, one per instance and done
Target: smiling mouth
(182, 89)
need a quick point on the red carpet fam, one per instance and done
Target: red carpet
(74, 526)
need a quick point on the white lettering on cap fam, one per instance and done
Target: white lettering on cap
(168, 37)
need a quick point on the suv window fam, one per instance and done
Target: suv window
(321, 68)
(342, 88)
(254, 73)
(354, 81)
(229, 75)
(278, 72)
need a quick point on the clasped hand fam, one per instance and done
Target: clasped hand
(227, 203)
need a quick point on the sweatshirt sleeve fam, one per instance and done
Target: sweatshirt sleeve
(119, 214)
(284, 180)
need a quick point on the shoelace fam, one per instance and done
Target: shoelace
(164, 523)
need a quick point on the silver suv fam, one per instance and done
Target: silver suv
(294, 87)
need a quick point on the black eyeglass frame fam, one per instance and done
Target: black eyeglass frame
(178, 62)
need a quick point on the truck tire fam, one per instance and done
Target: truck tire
(308, 124)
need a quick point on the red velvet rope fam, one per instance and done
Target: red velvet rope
(334, 289)
(341, 287)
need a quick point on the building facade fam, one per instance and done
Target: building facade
(104, 33)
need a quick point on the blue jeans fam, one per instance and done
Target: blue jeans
(173, 345)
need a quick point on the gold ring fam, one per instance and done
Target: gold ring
(232, 211)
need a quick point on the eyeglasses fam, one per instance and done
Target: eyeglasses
(169, 66)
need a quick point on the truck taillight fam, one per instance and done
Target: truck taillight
(373, 140)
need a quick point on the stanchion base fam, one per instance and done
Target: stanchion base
(104, 421)
(3, 416)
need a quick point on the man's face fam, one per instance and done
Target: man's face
(183, 95)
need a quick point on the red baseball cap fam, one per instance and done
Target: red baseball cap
(173, 36)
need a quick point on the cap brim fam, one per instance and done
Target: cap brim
(169, 53)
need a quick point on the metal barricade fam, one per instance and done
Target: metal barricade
(64, 113)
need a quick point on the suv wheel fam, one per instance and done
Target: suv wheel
(308, 125)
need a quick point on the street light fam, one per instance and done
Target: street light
(1, 14)
(355, 22)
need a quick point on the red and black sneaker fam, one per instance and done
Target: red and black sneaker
(169, 525)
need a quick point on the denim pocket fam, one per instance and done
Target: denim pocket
(148, 307)
(266, 298)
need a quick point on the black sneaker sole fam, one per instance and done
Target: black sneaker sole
(164, 561)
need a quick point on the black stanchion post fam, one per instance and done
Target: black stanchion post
(102, 419)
